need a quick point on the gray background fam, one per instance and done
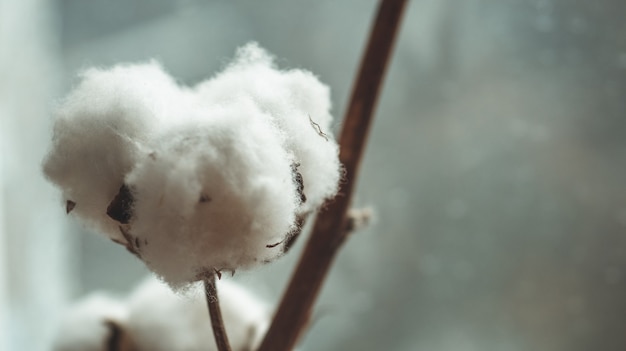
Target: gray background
(496, 166)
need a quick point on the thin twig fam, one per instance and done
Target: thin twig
(210, 290)
(328, 232)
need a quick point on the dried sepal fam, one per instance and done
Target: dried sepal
(69, 206)
(132, 243)
(293, 236)
(297, 178)
(121, 207)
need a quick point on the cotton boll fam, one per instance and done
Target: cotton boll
(87, 326)
(207, 179)
(213, 194)
(160, 320)
(297, 103)
(99, 131)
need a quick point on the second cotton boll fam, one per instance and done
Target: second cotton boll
(153, 318)
(159, 320)
(210, 178)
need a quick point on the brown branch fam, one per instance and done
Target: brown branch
(328, 232)
(210, 290)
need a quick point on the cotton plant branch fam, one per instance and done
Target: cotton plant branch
(219, 332)
(171, 183)
(329, 231)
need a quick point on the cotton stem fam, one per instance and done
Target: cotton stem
(219, 332)
(329, 230)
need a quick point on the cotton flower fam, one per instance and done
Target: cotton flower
(196, 180)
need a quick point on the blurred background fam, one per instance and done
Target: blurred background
(496, 166)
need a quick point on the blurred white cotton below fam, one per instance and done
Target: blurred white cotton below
(88, 326)
(160, 320)
(153, 318)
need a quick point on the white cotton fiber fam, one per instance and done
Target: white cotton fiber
(297, 103)
(160, 320)
(99, 131)
(85, 327)
(213, 194)
(153, 318)
(214, 177)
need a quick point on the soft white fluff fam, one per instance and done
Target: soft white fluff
(214, 171)
(153, 318)
(213, 194)
(99, 131)
(160, 320)
(295, 101)
(84, 328)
